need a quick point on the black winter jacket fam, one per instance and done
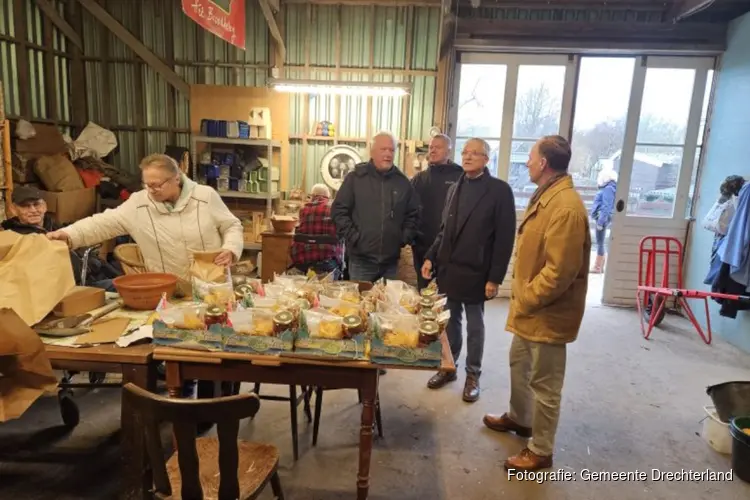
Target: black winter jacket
(432, 187)
(376, 213)
(474, 248)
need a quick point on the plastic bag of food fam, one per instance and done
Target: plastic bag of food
(253, 321)
(339, 307)
(260, 302)
(398, 330)
(274, 290)
(344, 290)
(184, 317)
(289, 282)
(322, 324)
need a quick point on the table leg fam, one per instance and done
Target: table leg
(174, 379)
(368, 391)
(137, 479)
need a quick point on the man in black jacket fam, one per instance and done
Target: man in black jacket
(471, 255)
(376, 213)
(432, 186)
(32, 218)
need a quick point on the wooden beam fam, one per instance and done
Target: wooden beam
(275, 5)
(265, 7)
(684, 9)
(136, 45)
(362, 3)
(53, 15)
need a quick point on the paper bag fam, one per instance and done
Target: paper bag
(25, 370)
(210, 282)
(35, 273)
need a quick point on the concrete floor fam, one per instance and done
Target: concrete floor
(628, 404)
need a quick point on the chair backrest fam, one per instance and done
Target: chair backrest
(185, 414)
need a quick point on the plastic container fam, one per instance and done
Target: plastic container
(715, 432)
(740, 448)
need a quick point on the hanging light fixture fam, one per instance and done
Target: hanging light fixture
(340, 87)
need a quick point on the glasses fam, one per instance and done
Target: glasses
(156, 187)
(477, 154)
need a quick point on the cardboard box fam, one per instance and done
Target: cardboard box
(69, 206)
(80, 300)
(212, 339)
(428, 357)
(260, 345)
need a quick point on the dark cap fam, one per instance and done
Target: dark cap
(23, 194)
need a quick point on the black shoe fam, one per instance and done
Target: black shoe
(382, 371)
(440, 379)
(471, 389)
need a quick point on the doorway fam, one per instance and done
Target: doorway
(641, 117)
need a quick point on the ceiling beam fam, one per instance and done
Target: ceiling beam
(683, 9)
(360, 3)
(121, 32)
(66, 29)
(278, 38)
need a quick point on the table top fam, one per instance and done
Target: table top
(104, 353)
(163, 353)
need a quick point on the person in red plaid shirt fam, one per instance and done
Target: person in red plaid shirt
(315, 221)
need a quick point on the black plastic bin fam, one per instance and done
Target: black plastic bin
(740, 448)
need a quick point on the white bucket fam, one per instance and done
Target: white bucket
(715, 432)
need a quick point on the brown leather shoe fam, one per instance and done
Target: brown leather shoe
(440, 379)
(503, 423)
(471, 388)
(527, 460)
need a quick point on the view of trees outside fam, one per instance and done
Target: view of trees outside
(599, 122)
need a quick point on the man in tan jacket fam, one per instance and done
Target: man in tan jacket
(548, 299)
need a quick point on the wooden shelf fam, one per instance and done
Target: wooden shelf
(327, 138)
(249, 196)
(236, 142)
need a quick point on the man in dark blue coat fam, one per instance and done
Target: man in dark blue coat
(471, 255)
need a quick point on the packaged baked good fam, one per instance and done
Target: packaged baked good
(254, 321)
(339, 307)
(263, 302)
(184, 317)
(344, 290)
(398, 330)
(324, 325)
(442, 320)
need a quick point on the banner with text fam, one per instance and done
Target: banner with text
(223, 18)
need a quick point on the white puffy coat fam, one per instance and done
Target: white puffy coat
(199, 221)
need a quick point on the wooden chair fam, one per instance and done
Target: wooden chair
(223, 468)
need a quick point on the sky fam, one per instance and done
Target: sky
(603, 90)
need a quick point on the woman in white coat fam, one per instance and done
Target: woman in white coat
(168, 219)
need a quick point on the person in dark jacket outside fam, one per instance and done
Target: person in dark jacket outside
(431, 185)
(471, 255)
(32, 218)
(601, 213)
(376, 213)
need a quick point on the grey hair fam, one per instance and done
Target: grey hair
(320, 190)
(485, 144)
(446, 139)
(384, 133)
(162, 162)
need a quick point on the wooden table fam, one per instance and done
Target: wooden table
(183, 364)
(137, 367)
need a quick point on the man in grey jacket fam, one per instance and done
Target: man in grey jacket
(376, 213)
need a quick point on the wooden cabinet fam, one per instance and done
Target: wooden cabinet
(275, 248)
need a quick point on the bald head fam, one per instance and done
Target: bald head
(383, 150)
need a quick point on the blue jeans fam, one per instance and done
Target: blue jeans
(474, 334)
(600, 237)
(365, 270)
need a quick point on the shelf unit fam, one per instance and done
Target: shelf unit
(270, 146)
(6, 182)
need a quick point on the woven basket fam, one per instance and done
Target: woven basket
(129, 256)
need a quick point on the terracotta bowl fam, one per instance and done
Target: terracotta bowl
(143, 291)
(284, 225)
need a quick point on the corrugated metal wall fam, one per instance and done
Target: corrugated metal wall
(360, 43)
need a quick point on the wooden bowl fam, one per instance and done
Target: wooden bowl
(143, 292)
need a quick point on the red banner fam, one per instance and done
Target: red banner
(223, 18)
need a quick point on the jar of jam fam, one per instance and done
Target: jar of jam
(429, 332)
(283, 321)
(353, 325)
(426, 303)
(242, 291)
(427, 315)
(303, 304)
(216, 315)
(428, 292)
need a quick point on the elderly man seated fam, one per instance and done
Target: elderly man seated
(316, 245)
(32, 218)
